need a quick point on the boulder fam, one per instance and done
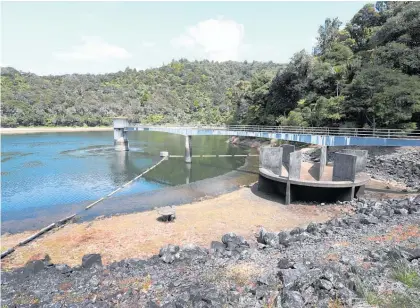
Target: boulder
(296, 231)
(271, 239)
(33, 267)
(217, 246)
(325, 284)
(91, 260)
(267, 279)
(169, 253)
(284, 238)
(284, 263)
(233, 241)
(403, 212)
(312, 228)
(292, 299)
(260, 236)
(369, 220)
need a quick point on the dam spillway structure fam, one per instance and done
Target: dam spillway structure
(282, 172)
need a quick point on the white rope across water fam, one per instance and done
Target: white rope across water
(128, 183)
(62, 221)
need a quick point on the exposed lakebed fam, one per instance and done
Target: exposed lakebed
(49, 175)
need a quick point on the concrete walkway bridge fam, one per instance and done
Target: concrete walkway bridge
(323, 136)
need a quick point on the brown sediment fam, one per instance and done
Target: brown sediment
(141, 235)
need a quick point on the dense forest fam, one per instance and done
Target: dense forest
(362, 74)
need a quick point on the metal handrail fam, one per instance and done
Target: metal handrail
(326, 131)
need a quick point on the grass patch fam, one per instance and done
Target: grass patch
(408, 276)
(243, 273)
(336, 303)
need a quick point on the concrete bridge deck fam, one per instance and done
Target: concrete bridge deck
(314, 135)
(322, 136)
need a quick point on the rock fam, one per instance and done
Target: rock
(296, 231)
(63, 268)
(217, 246)
(284, 263)
(233, 241)
(410, 254)
(346, 296)
(369, 220)
(260, 237)
(91, 260)
(169, 253)
(292, 299)
(267, 279)
(271, 239)
(284, 238)
(94, 281)
(33, 267)
(404, 202)
(308, 295)
(288, 277)
(261, 292)
(403, 212)
(325, 284)
(312, 228)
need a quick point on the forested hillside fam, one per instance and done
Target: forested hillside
(362, 74)
(180, 92)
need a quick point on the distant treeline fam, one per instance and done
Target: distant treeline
(365, 74)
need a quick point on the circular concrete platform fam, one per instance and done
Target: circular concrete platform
(308, 188)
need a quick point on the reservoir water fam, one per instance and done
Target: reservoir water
(51, 174)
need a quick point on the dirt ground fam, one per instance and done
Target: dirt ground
(141, 235)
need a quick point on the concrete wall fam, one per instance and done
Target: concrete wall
(361, 160)
(322, 162)
(295, 162)
(271, 159)
(344, 168)
(287, 149)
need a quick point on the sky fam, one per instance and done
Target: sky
(101, 37)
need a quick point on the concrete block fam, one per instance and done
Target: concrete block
(361, 160)
(271, 159)
(295, 162)
(344, 168)
(322, 162)
(287, 149)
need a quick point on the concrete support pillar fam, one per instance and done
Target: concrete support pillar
(187, 180)
(288, 197)
(120, 139)
(188, 149)
(120, 135)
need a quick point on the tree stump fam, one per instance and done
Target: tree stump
(166, 213)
